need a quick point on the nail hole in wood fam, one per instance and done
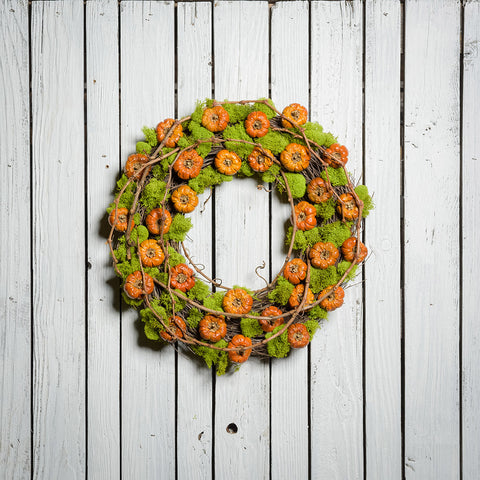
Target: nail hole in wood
(232, 428)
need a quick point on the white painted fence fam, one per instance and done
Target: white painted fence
(390, 386)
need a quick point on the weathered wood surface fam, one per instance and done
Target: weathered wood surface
(390, 385)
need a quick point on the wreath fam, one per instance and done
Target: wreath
(182, 158)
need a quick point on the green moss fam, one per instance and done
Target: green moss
(121, 182)
(143, 147)
(326, 210)
(150, 332)
(312, 327)
(312, 236)
(342, 267)
(271, 174)
(321, 279)
(137, 219)
(215, 301)
(296, 182)
(250, 327)
(154, 272)
(153, 194)
(159, 172)
(150, 136)
(184, 142)
(282, 291)
(275, 141)
(336, 232)
(194, 318)
(121, 250)
(165, 300)
(131, 301)
(317, 313)
(336, 175)
(152, 324)
(236, 112)
(314, 132)
(174, 258)
(127, 267)
(362, 192)
(179, 228)
(198, 113)
(197, 132)
(279, 346)
(200, 291)
(261, 107)
(237, 131)
(140, 233)
(208, 177)
(300, 242)
(330, 139)
(212, 357)
(163, 277)
(246, 170)
(127, 197)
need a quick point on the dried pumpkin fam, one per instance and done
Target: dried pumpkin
(270, 325)
(228, 162)
(176, 328)
(298, 336)
(333, 299)
(135, 287)
(212, 327)
(295, 112)
(295, 271)
(295, 157)
(324, 255)
(347, 207)
(297, 296)
(181, 277)
(305, 216)
(336, 155)
(135, 165)
(184, 199)
(257, 124)
(237, 300)
(318, 191)
(188, 164)
(215, 119)
(151, 253)
(260, 160)
(349, 250)
(242, 343)
(164, 127)
(118, 219)
(158, 221)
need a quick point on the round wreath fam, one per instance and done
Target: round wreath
(180, 159)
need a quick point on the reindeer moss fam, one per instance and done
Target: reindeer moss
(317, 313)
(326, 210)
(127, 267)
(159, 172)
(300, 242)
(311, 326)
(165, 300)
(296, 182)
(321, 279)
(215, 301)
(194, 318)
(200, 291)
(150, 332)
(342, 267)
(179, 228)
(282, 291)
(330, 139)
(174, 258)
(237, 131)
(137, 219)
(139, 233)
(314, 132)
(198, 113)
(207, 178)
(121, 250)
(271, 174)
(197, 132)
(122, 181)
(237, 112)
(336, 175)
(336, 232)
(152, 323)
(184, 142)
(127, 197)
(312, 236)
(150, 136)
(211, 356)
(131, 301)
(143, 147)
(250, 327)
(246, 170)
(362, 192)
(275, 141)
(279, 346)
(153, 194)
(261, 107)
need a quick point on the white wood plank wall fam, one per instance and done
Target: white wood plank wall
(390, 386)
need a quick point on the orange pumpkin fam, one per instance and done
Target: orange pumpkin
(324, 255)
(295, 157)
(305, 216)
(237, 300)
(242, 343)
(184, 199)
(260, 160)
(118, 219)
(135, 164)
(257, 124)
(164, 127)
(295, 271)
(135, 287)
(227, 162)
(188, 164)
(333, 299)
(151, 254)
(297, 296)
(349, 250)
(295, 112)
(348, 208)
(298, 335)
(174, 331)
(212, 327)
(270, 325)
(336, 155)
(158, 221)
(318, 191)
(181, 277)
(215, 119)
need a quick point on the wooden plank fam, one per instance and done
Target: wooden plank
(382, 270)
(289, 377)
(59, 240)
(241, 232)
(432, 51)
(15, 282)
(336, 354)
(102, 171)
(148, 373)
(471, 237)
(194, 417)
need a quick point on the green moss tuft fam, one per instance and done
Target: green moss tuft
(174, 258)
(279, 346)
(159, 172)
(197, 132)
(130, 301)
(150, 332)
(207, 178)
(122, 181)
(153, 194)
(184, 142)
(127, 267)
(261, 107)
(194, 318)
(236, 112)
(317, 313)
(312, 236)
(275, 141)
(326, 210)
(140, 233)
(179, 228)
(250, 327)
(137, 218)
(282, 291)
(336, 175)
(212, 357)
(314, 132)
(121, 250)
(342, 267)
(200, 291)
(143, 147)
(152, 324)
(300, 242)
(127, 197)
(237, 131)
(150, 136)
(312, 327)
(246, 170)
(271, 174)
(362, 192)
(198, 113)
(215, 301)
(165, 300)
(330, 139)
(296, 182)
(321, 279)
(336, 232)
